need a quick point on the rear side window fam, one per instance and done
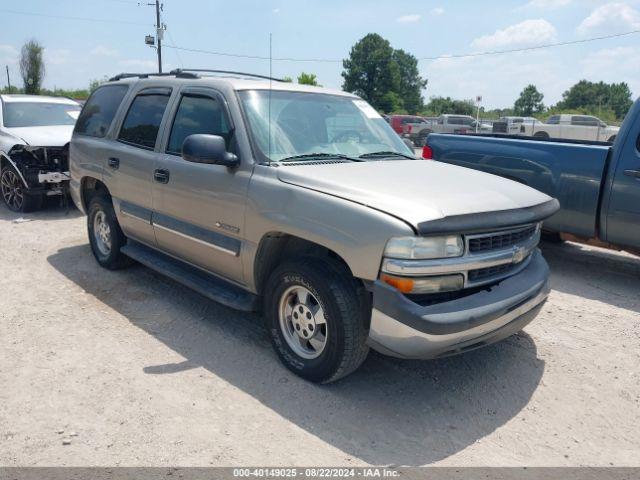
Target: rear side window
(554, 120)
(141, 125)
(97, 114)
(198, 114)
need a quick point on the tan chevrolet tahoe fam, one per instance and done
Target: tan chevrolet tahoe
(303, 203)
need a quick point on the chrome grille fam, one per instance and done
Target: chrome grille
(500, 240)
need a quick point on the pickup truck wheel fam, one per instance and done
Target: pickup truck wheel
(541, 135)
(14, 194)
(315, 319)
(105, 235)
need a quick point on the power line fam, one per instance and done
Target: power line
(440, 57)
(535, 47)
(64, 17)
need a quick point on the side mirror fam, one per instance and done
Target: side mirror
(211, 149)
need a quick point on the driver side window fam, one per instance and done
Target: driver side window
(198, 114)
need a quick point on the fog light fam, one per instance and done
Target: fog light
(415, 285)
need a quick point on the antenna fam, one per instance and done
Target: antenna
(270, 82)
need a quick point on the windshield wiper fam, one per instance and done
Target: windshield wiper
(386, 154)
(311, 156)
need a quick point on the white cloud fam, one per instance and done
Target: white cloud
(548, 3)
(526, 33)
(104, 51)
(611, 17)
(437, 11)
(411, 18)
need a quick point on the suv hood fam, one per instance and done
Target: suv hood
(414, 190)
(48, 136)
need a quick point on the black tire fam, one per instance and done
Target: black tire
(14, 194)
(612, 139)
(112, 259)
(541, 135)
(343, 302)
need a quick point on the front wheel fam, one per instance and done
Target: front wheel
(14, 193)
(105, 235)
(316, 319)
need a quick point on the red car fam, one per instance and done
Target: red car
(398, 122)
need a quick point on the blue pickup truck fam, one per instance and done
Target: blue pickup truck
(597, 184)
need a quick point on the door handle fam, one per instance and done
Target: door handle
(632, 173)
(114, 162)
(161, 175)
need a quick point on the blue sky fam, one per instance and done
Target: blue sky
(77, 51)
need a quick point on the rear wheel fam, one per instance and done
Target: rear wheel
(15, 195)
(612, 139)
(105, 235)
(541, 135)
(316, 320)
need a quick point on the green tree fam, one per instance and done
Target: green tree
(307, 79)
(287, 79)
(593, 98)
(439, 105)
(411, 83)
(388, 79)
(32, 66)
(370, 71)
(529, 102)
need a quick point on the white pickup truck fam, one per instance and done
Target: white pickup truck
(566, 126)
(447, 123)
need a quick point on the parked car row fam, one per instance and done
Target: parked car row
(565, 126)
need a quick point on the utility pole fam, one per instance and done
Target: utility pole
(159, 35)
(8, 79)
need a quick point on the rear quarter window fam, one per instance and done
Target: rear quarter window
(97, 114)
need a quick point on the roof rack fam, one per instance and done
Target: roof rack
(225, 72)
(190, 73)
(172, 73)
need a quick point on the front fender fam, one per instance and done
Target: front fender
(355, 232)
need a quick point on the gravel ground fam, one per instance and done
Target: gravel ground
(129, 368)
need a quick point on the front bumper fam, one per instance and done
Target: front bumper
(405, 329)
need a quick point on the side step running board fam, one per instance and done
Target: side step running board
(208, 285)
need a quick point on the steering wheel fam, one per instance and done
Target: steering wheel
(346, 136)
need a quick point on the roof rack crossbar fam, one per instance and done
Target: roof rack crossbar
(227, 72)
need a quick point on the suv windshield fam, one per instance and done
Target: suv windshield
(39, 114)
(315, 123)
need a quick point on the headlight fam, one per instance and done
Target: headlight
(421, 248)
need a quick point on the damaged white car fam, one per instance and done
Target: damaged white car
(34, 144)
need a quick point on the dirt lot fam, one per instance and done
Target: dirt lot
(129, 368)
